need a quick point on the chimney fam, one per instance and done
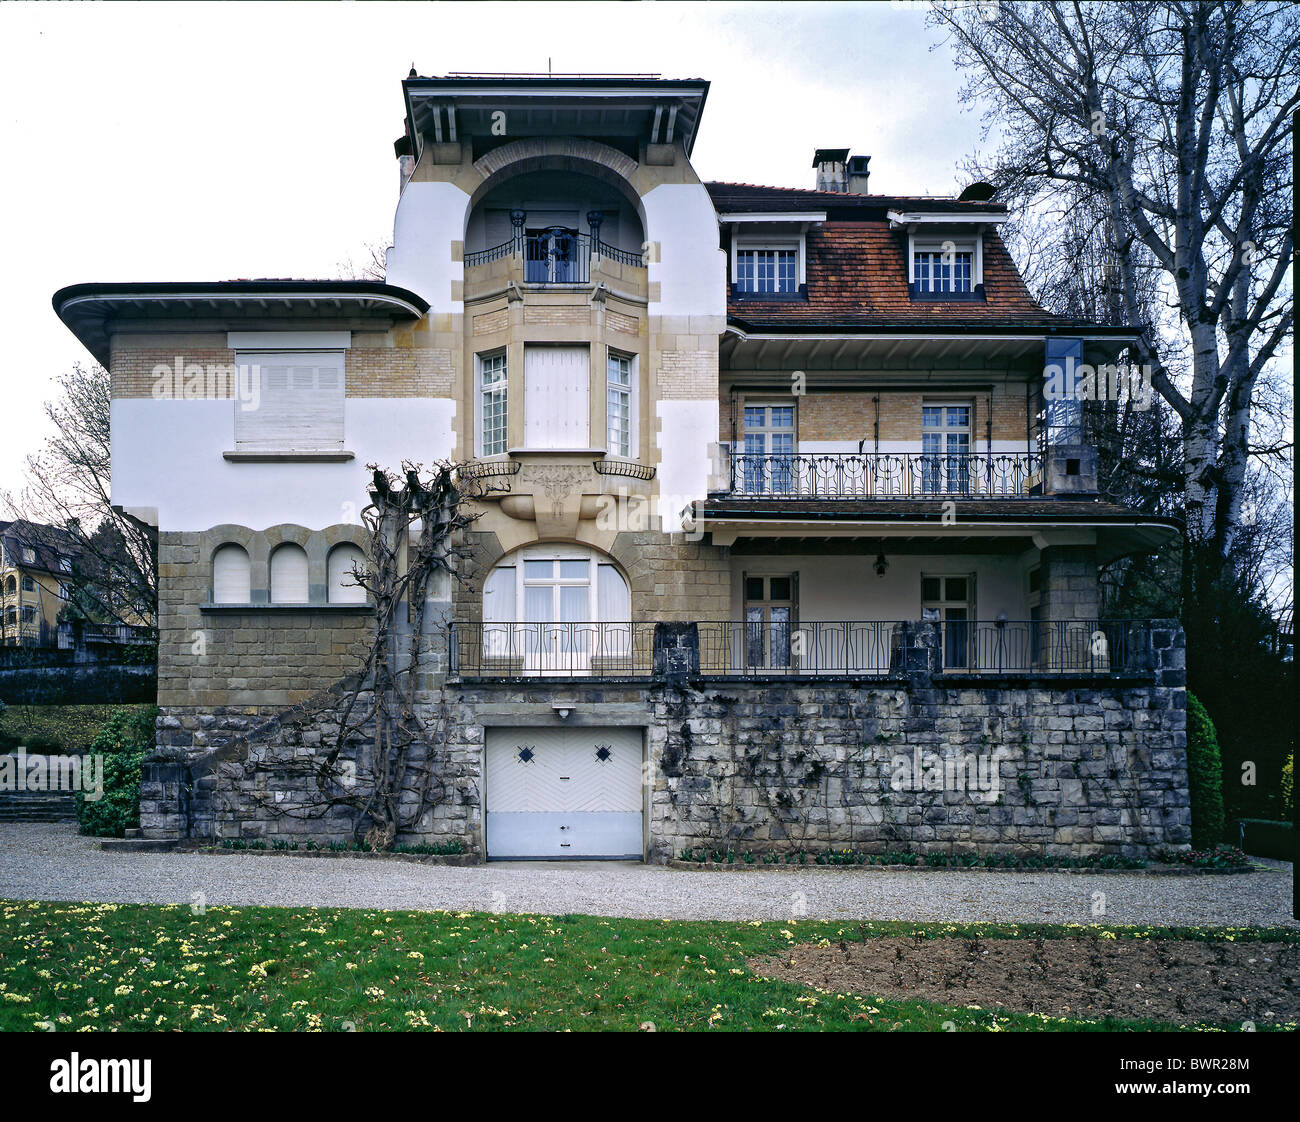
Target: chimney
(859, 173)
(831, 175)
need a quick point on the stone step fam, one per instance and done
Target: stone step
(37, 806)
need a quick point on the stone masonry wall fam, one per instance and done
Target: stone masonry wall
(1070, 768)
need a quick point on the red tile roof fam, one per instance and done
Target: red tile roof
(857, 266)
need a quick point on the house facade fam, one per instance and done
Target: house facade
(36, 564)
(785, 531)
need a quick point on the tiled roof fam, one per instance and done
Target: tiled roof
(858, 272)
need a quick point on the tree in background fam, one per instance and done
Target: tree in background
(1144, 151)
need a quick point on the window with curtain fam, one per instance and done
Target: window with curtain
(231, 575)
(289, 583)
(556, 607)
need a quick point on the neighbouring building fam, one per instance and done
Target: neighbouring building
(792, 541)
(36, 564)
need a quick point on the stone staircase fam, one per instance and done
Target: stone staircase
(37, 806)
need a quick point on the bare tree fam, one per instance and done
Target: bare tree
(1166, 126)
(66, 506)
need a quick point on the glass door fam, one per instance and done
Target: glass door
(950, 602)
(945, 448)
(768, 459)
(769, 616)
(557, 615)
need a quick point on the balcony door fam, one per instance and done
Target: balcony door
(945, 448)
(769, 618)
(767, 463)
(949, 601)
(557, 397)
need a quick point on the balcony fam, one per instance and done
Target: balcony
(557, 256)
(883, 475)
(813, 648)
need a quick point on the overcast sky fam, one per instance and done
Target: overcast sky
(211, 141)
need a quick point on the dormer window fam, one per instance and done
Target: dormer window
(769, 269)
(947, 266)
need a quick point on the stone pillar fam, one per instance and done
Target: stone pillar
(1069, 606)
(164, 789)
(676, 651)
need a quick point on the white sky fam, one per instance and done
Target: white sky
(211, 141)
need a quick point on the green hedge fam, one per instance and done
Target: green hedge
(1204, 776)
(123, 742)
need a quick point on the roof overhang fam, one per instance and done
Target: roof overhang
(912, 218)
(921, 346)
(644, 109)
(789, 217)
(93, 312)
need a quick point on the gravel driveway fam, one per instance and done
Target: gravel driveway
(52, 862)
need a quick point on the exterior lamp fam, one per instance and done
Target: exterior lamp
(881, 564)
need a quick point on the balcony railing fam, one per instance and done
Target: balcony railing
(558, 256)
(882, 475)
(827, 648)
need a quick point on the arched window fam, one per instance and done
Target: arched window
(11, 586)
(289, 583)
(231, 576)
(343, 586)
(557, 607)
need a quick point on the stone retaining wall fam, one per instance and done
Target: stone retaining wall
(913, 761)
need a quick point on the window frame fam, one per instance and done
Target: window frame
(481, 360)
(774, 243)
(929, 243)
(633, 419)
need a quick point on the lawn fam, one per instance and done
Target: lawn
(59, 729)
(126, 966)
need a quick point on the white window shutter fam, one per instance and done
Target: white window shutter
(231, 576)
(557, 397)
(289, 575)
(343, 586)
(299, 407)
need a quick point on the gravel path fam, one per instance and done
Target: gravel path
(52, 862)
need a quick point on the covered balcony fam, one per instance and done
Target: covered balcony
(837, 649)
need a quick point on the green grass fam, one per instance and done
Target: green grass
(60, 729)
(128, 966)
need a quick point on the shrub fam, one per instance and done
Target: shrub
(123, 742)
(1288, 779)
(1204, 776)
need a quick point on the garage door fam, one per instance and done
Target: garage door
(564, 792)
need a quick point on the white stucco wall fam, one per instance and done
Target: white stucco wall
(167, 456)
(430, 216)
(691, 268)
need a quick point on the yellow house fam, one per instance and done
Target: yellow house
(35, 582)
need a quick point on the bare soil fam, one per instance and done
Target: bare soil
(1172, 980)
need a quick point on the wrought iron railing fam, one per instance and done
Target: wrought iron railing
(883, 475)
(827, 648)
(558, 256)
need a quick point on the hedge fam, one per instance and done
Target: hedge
(1204, 776)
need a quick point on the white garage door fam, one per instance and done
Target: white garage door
(564, 792)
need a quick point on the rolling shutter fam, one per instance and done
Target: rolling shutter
(230, 576)
(289, 575)
(299, 404)
(343, 586)
(556, 397)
